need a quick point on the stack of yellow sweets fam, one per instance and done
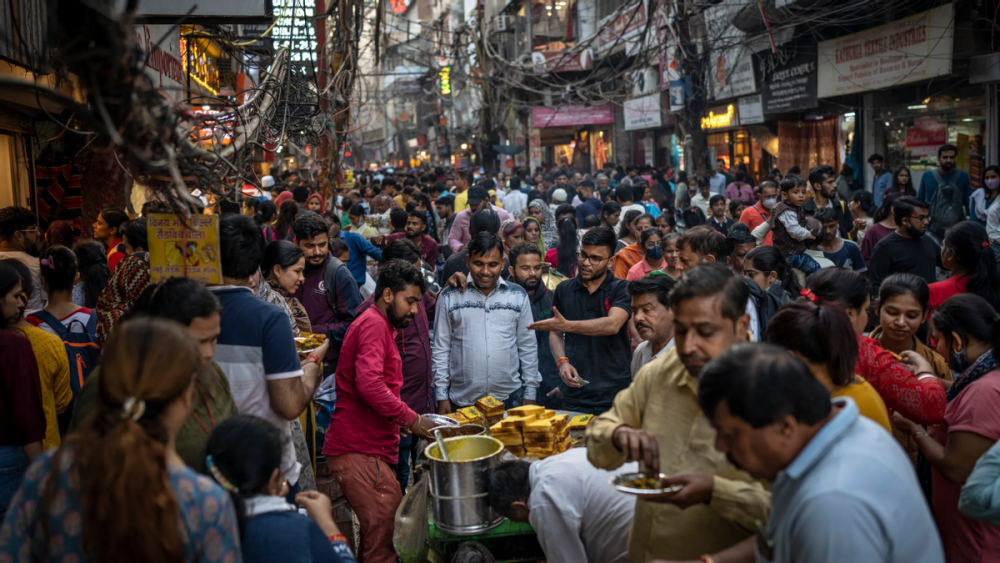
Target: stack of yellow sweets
(533, 430)
(491, 408)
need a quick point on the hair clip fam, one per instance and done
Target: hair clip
(48, 262)
(986, 244)
(808, 294)
(219, 477)
(129, 404)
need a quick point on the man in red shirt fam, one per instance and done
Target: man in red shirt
(757, 213)
(363, 439)
(416, 227)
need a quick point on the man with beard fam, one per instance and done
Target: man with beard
(592, 310)
(657, 420)
(416, 227)
(526, 271)
(945, 174)
(823, 180)
(482, 345)
(330, 292)
(652, 318)
(362, 443)
(905, 250)
(19, 236)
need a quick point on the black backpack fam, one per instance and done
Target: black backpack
(946, 205)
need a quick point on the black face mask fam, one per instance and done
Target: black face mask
(913, 232)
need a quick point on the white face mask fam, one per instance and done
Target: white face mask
(993, 183)
(769, 202)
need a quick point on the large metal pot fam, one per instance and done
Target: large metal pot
(463, 430)
(460, 486)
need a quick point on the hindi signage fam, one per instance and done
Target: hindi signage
(908, 50)
(191, 251)
(791, 86)
(573, 114)
(643, 113)
(751, 112)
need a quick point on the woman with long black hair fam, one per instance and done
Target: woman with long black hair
(564, 256)
(966, 252)
(883, 223)
(282, 229)
(94, 273)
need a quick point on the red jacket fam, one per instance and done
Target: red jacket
(369, 413)
(753, 216)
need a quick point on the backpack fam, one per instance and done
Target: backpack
(330, 281)
(946, 205)
(81, 347)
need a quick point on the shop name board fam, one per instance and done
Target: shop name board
(199, 66)
(294, 29)
(791, 87)
(643, 113)
(725, 117)
(908, 50)
(559, 61)
(733, 73)
(168, 64)
(571, 115)
(184, 248)
(445, 74)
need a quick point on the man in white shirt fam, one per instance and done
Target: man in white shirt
(719, 180)
(700, 200)
(626, 198)
(577, 516)
(482, 344)
(652, 317)
(19, 238)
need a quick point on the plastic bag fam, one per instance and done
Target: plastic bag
(410, 538)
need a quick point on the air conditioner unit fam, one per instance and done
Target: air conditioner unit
(504, 23)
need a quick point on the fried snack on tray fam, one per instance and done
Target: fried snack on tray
(308, 342)
(580, 421)
(490, 406)
(525, 410)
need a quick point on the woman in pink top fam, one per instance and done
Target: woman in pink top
(653, 258)
(740, 189)
(967, 331)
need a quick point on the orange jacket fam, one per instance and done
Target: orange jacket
(626, 258)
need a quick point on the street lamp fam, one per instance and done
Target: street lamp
(464, 146)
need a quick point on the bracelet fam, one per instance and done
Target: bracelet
(314, 359)
(561, 361)
(915, 434)
(334, 538)
(925, 375)
(706, 559)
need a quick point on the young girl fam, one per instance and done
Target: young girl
(59, 274)
(666, 223)
(862, 208)
(244, 457)
(670, 255)
(903, 310)
(653, 257)
(533, 233)
(628, 235)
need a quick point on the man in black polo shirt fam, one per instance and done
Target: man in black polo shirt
(907, 250)
(592, 310)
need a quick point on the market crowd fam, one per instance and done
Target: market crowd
(810, 363)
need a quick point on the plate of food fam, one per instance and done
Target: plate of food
(642, 484)
(442, 420)
(308, 342)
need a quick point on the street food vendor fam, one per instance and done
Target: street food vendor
(577, 515)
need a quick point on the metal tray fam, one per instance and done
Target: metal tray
(441, 420)
(618, 482)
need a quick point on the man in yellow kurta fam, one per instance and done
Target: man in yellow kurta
(657, 420)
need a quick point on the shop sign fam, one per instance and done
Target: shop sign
(908, 50)
(680, 90)
(615, 30)
(926, 136)
(162, 54)
(791, 86)
(187, 251)
(294, 29)
(445, 75)
(571, 115)
(560, 61)
(720, 117)
(750, 110)
(199, 66)
(643, 113)
(412, 143)
(732, 73)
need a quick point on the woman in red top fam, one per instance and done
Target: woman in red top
(918, 397)
(884, 223)
(966, 253)
(106, 231)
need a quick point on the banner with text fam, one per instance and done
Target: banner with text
(909, 50)
(791, 86)
(191, 251)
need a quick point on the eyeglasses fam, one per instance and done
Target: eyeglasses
(593, 260)
(921, 218)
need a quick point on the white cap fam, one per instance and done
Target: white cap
(267, 181)
(559, 195)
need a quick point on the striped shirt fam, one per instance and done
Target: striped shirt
(482, 344)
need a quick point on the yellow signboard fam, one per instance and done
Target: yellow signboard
(717, 120)
(186, 252)
(445, 74)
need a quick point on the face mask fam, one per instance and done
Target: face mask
(913, 232)
(654, 253)
(769, 202)
(993, 183)
(958, 361)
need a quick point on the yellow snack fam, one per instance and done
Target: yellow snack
(546, 414)
(458, 417)
(560, 419)
(543, 426)
(525, 410)
(471, 413)
(489, 404)
(580, 421)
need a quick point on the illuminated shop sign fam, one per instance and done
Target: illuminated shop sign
(725, 117)
(295, 29)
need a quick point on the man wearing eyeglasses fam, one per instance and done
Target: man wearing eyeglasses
(19, 238)
(906, 250)
(587, 332)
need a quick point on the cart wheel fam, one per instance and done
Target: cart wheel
(472, 552)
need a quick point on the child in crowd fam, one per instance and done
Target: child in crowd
(788, 222)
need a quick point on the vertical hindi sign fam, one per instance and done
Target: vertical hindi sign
(191, 251)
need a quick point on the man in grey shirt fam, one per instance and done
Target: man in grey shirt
(482, 344)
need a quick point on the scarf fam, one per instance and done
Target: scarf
(127, 283)
(540, 243)
(548, 223)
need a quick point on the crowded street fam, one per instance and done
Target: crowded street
(561, 281)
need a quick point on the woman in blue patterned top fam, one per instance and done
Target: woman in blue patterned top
(117, 490)
(244, 457)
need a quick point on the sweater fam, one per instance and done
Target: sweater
(290, 537)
